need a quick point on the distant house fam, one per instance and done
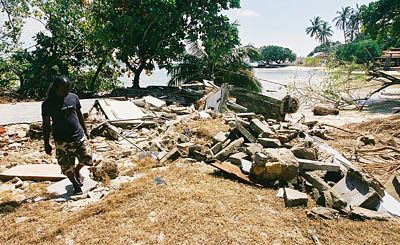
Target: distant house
(323, 58)
(391, 59)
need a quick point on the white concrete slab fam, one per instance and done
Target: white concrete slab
(154, 101)
(35, 172)
(64, 189)
(120, 110)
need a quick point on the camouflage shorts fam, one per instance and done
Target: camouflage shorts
(67, 152)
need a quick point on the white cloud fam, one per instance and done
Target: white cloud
(249, 13)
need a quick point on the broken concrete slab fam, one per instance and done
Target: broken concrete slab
(246, 166)
(119, 110)
(220, 137)
(294, 198)
(393, 186)
(305, 164)
(253, 148)
(260, 128)
(245, 133)
(321, 185)
(224, 153)
(34, 172)
(323, 212)
(358, 213)
(170, 156)
(64, 189)
(308, 153)
(269, 143)
(153, 101)
(357, 193)
(237, 157)
(216, 148)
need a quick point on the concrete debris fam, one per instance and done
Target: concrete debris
(260, 128)
(323, 212)
(294, 198)
(269, 143)
(302, 152)
(310, 165)
(275, 164)
(237, 158)
(241, 134)
(359, 213)
(228, 150)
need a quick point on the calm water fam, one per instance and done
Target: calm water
(268, 78)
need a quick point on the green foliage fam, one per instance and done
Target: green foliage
(360, 52)
(312, 61)
(320, 30)
(230, 68)
(152, 31)
(276, 54)
(381, 21)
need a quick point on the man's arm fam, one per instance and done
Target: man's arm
(82, 122)
(46, 134)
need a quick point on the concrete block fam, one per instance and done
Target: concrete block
(305, 164)
(359, 213)
(237, 157)
(216, 148)
(269, 143)
(220, 137)
(246, 134)
(224, 153)
(260, 127)
(295, 198)
(246, 166)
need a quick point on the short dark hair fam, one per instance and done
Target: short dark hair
(61, 80)
(57, 82)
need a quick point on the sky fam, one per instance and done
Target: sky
(265, 22)
(283, 22)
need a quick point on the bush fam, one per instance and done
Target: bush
(312, 61)
(360, 52)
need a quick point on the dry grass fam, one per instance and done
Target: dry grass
(194, 207)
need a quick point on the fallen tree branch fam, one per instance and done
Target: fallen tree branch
(341, 129)
(384, 148)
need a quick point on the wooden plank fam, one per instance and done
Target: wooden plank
(233, 170)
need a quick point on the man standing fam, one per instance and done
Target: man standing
(61, 111)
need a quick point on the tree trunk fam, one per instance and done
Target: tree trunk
(99, 69)
(136, 79)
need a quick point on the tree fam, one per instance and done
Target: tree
(144, 32)
(230, 68)
(277, 54)
(360, 52)
(320, 30)
(342, 20)
(65, 47)
(381, 21)
(326, 33)
(315, 28)
(354, 24)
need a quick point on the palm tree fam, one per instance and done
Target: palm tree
(232, 68)
(341, 20)
(326, 32)
(354, 23)
(315, 28)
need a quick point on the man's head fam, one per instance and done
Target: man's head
(61, 86)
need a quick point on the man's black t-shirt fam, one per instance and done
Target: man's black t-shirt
(66, 126)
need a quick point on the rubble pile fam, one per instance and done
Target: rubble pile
(132, 135)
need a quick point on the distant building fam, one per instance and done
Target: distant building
(391, 59)
(323, 58)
